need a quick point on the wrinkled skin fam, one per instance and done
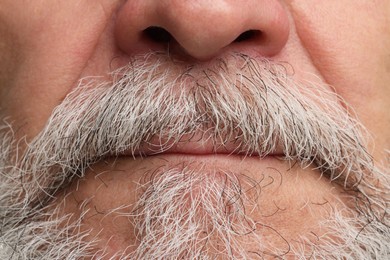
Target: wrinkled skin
(46, 47)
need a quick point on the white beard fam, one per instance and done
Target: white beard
(255, 103)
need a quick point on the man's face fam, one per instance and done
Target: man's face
(183, 129)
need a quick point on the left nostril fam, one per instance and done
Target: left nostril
(247, 35)
(158, 34)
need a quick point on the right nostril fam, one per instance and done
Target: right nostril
(250, 34)
(158, 34)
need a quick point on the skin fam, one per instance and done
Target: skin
(47, 46)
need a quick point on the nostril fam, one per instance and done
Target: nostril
(157, 34)
(248, 35)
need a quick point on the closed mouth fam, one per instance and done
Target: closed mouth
(198, 147)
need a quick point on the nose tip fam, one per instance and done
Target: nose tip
(202, 29)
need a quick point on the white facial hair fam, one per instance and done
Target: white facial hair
(253, 103)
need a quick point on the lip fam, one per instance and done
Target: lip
(198, 146)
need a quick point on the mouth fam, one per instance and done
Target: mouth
(200, 146)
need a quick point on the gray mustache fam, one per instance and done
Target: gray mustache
(253, 103)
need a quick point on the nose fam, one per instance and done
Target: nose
(202, 29)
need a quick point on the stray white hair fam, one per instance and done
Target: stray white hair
(253, 103)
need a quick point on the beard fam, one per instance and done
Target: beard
(187, 211)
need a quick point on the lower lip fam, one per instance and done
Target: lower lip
(207, 159)
(202, 152)
(200, 147)
(199, 163)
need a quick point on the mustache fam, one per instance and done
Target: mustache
(250, 102)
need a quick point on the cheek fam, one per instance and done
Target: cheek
(343, 40)
(350, 45)
(54, 42)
